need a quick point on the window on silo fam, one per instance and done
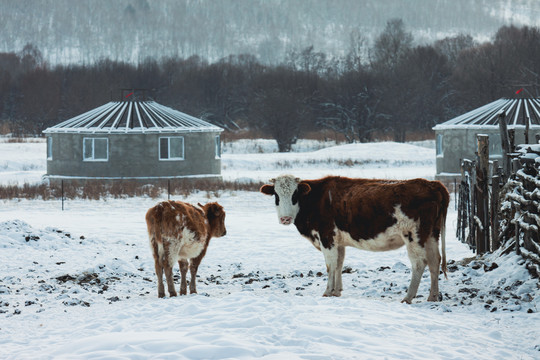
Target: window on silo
(49, 148)
(96, 149)
(171, 148)
(495, 144)
(218, 147)
(438, 144)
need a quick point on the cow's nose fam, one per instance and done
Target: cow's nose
(285, 220)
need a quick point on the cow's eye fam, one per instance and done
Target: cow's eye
(277, 199)
(295, 197)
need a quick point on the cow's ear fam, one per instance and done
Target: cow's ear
(215, 209)
(304, 188)
(267, 189)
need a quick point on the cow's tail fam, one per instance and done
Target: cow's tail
(443, 246)
(442, 221)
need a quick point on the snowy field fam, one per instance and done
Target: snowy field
(80, 283)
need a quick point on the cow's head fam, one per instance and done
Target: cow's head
(216, 218)
(287, 190)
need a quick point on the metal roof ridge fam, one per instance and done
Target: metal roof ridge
(109, 117)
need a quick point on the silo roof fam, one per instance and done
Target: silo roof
(518, 112)
(133, 117)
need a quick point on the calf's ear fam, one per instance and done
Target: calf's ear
(304, 188)
(267, 189)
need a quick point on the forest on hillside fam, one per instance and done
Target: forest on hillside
(84, 32)
(400, 89)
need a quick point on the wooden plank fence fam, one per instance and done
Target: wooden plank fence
(499, 206)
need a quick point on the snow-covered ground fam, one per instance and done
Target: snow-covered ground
(80, 283)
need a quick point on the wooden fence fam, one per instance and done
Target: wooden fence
(499, 206)
(520, 208)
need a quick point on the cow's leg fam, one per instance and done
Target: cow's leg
(158, 267)
(331, 257)
(433, 261)
(183, 276)
(167, 267)
(170, 279)
(159, 273)
(417, 255)
(193, 267)
(339, 282)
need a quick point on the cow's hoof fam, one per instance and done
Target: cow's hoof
(173, 294)
(433, 298)
(161, 295)
(407, 301)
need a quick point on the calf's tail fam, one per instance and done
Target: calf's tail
(154, 219)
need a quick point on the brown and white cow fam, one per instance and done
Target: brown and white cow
(180, 232)
(375, 215)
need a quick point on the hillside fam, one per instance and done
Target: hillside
(132, 30)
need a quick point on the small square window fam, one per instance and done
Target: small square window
(96, 149)
(171, 148)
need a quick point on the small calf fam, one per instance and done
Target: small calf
(181, 232)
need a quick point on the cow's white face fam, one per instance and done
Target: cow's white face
(286, 190)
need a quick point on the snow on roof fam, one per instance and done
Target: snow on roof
(132, 117)
(518, 112)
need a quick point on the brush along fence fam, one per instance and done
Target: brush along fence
(498, 208)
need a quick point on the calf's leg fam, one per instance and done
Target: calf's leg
(159, 273)
(157, 266)
(183, 274)
(193, 268)
(170, 279)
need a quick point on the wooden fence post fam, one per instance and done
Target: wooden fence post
(494, 206)
(461, 204)
(505, 143)
(511, 138)
(468, 208)
(482, 231)
(495, 243)
(517, 215)
(527, 125)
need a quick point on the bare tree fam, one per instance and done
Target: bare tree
(281, 104)
(391, 45)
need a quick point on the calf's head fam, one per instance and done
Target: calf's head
(287, 191)
(216, 218)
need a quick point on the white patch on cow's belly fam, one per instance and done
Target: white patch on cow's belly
(315, 240)
(186, 246)
(392, 238)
